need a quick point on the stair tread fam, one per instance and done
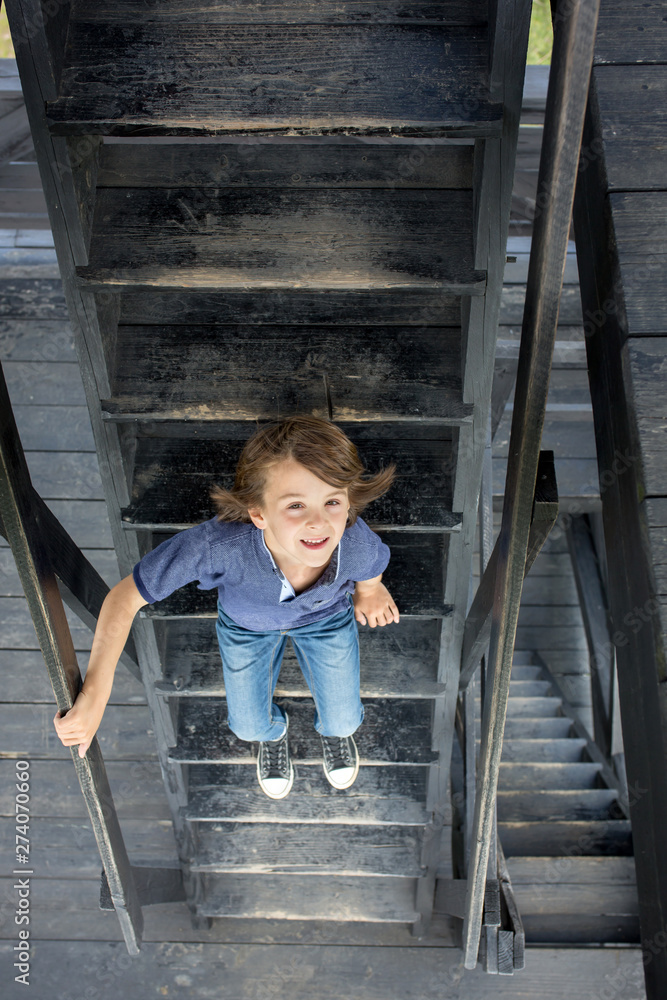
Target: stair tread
(414, 577)
(309, 849)
(309, 78)
(309, 897)
(537, 751)
(533, 707)
(547, 776)
(591, 870)
(393, 732)
(525, 727)
(558, 804)
(529, 688)
(263, 238)
(380, 796)
(538, 838)
(397, 661)
(173, 476)
(407, 374)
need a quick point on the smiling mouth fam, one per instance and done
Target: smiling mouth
(314, 543)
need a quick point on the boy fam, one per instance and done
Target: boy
(285, 551)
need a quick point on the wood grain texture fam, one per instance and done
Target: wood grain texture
(410, 307)
(582, 804)
(215, 237)
(339, 162)
(639, 220)
(407, 373)
(393, 732)
(309, 849)
(173, 477)
(631, 34)
(208, 77)
(547, 777)
(395, 662)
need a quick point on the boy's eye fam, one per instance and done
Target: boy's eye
(294, 506)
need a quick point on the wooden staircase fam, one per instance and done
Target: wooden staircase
(563, 826)
(261, 209)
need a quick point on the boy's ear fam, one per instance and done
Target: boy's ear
(255, 515)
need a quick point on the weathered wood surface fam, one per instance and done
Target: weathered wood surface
(34, 298)
(639, 223)
(28, 730)
(395, 662)
(568, 869)
(547, 751)
(342, 307)
(295, 848)
(237, 238)
(580, 837)
(295, 897)
(628, 33)
(414, 577)
(555, 775)
(380, 796)
(575, 930)
(409, 374)
(174, 476)
(579, 804)
(360, 973)
(393, 732)
(344, 162)
(369, 78)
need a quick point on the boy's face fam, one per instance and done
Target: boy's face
(303, 518)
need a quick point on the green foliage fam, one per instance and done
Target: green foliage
(541, 34)
(6, 47)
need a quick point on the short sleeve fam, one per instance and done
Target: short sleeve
(369, 556)
(180, 560)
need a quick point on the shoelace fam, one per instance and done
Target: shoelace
(274, 757)
(337, 752)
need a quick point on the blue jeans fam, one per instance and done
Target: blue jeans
(328, 654)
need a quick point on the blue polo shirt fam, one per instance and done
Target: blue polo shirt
(252, 590)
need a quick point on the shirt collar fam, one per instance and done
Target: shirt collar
(329, 576)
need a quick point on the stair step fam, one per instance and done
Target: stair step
(307, 307)
(310, 897)
(309, 849)
(398, 661)
(414, 577)
(529, 688)
(580, 804)
(380, 796)
(577, 838)
(530, 708)
(523, 660)
(263, 238)
(525, 728)
(393, 732)
(543, 751)
(547, 777)
(604, 870)
(337, 162)
(363, 373)
(575, 929)
(194, 76)
(173, 475)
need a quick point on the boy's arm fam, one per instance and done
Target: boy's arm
(373, 604)
(117, 613)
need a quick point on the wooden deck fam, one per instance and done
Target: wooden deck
(253, 957)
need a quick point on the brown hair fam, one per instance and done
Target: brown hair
(315, 443)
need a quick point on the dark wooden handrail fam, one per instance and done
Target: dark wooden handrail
(35, 555)
(575, 23)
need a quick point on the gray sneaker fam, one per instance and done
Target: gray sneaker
(275, 772)
(341, 760)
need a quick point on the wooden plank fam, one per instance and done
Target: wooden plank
(561, 898)
(56, 383)
(639, 218)
(393, 732)
(173, 478)
(577, 838)
(547, 777)
(412, 307)
(514, 296)
(33, 298)
(366, 78)
(414, 577)
(631, 102)
(582, 804)
(582, 870)
(537, 729)
(363, 972)
(381, 796)
(124, 734)
(299, 849)
(26, 680)
(65, 475)
(279, 238)
(25, 340)
(628, 34)
(408, 374)
(646, 358)
(565, 749)
(136, 786)
(310, 897)
(398, 662)
(579, 930)
(54, 428)
(291, 12)
(339, 163)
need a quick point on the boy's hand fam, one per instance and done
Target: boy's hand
(373, 604)
(80, 724)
